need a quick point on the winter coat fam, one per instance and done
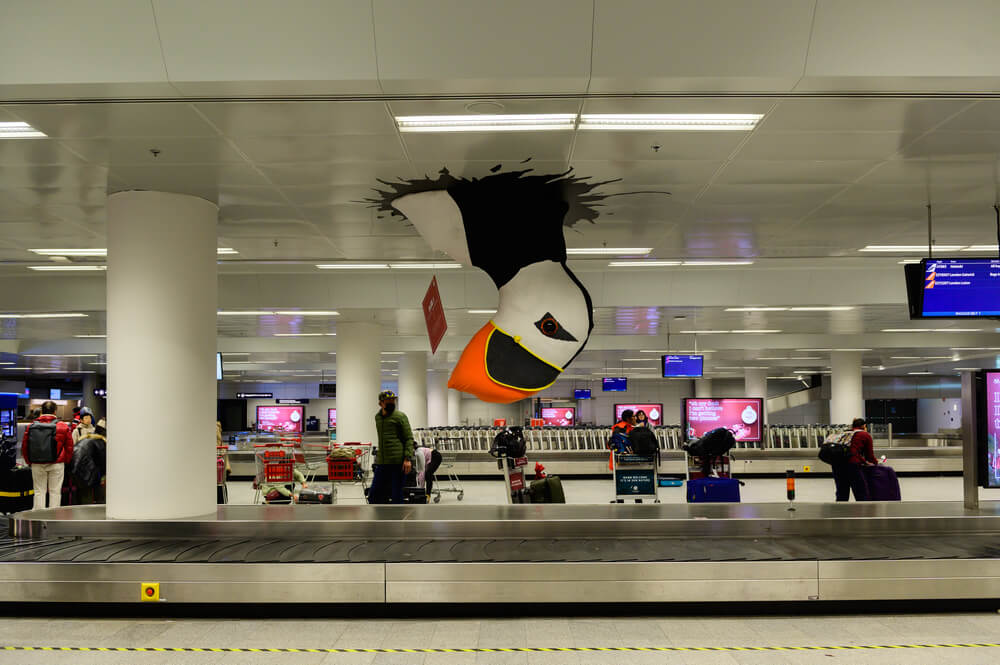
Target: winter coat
(82, 431)
(64, 440)
(395, 438)
(89, 461)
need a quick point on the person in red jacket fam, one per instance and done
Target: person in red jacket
(52, 439)
(847, 475)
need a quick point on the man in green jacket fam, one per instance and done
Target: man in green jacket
(395, 450)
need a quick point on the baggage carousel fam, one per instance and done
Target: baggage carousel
(500, 554)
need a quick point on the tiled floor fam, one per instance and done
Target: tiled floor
(756, 490)
(547, 632)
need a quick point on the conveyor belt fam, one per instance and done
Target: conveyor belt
(238, 551)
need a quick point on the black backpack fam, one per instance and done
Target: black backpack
(643, 441)
(836, 448)
(510, 443)
(715, 443)
(42, 446)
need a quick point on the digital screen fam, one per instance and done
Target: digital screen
(654, 412)
(581, 394)
(331, 419)
(611, 384)
(218, 367)
(691, 367)
(741, 415)
(564, 416)
(55, 393)
(992, 430)
(280, 418)
(960, 288)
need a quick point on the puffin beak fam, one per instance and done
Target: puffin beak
(496, 368)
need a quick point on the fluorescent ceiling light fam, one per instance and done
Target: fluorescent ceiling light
(805, 371)
(919, 373)
(812, 350)
(254, 312)
(424, 266)
(902, 330)
(702, 332)
(718, 263)
(851, 349)
(643, 264)
(303, 335)
(515, 122)
(225, 251)
(904, 357)
(910, 248)
(937, 330)
(307, 312)
(906, 262)
(103, 251)
(756, 309)
(688, 122)
(90, 336)
(966, 369)
(975, 348)
(97, 363)
(775, 359)
(19, 130)
(754, 332)
(18, 369)
(68, 268)
(60, 355)
(352, 266)
(57, 315)
(981, 248)
(676, 352)
(482, 311)
(615, 251)
(823, 308)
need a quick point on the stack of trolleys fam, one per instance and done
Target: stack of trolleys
(448, 447)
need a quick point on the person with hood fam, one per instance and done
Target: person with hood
(89, 464)
(46, 448)
(85, 427)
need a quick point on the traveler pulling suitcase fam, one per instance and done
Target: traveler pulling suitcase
(16, 490)
(883, 485)
(713, 490)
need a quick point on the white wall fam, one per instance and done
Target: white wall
(478, 412)
(939, 413)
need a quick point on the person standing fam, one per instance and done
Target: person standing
(847, 476)
(46, 448)
(85, 427)
(395, 450)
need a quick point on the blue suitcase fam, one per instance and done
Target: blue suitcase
(713, 490)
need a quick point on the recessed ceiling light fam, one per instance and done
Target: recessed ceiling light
(614, 251)
(643, 264)
(904, 357)
(909, 248)
(424, 266)
(756, 309)
(935, 330)
(966, 369)
(482, 311)
(68, 268)
(19, 130)
(225, 251)
(90, 336)
(920, 373)
(17, 369)
(514, 122)
(688, 122)
(903, 330)
(353, 266)
(975, 348)
(55, 315)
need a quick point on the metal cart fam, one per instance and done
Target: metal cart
(275, 463)
(448, 447)
(634, 477)
(353, 470)
(221, 491)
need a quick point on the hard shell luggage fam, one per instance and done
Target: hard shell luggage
(414, 495)
(547, 490)
(713, 490)
(16, 490)
(316, 495)
(883, 485)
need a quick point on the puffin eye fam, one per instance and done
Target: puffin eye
(550, 327)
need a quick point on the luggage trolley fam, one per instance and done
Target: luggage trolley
(221, 491)
(275, 464)
(634, 477)
(349, 468)
(448, 447)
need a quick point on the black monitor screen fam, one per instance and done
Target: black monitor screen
(690, 367)
(617, 384)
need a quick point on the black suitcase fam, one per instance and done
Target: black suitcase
(318, 495)
(17, 491)
(414, 495)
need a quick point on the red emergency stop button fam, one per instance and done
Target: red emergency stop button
(149, 591)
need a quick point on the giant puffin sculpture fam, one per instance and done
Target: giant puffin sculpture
(509, 224)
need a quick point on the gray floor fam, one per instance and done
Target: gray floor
(788, 631)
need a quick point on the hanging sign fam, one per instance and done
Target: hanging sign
(437, 326)
(254, 395)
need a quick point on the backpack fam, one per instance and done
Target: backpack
(715, 443)
(509, 443)
(643, 441)
(619, 441)
(836, 448)
(42, 445)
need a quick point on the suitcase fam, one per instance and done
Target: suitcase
(414, 495)
(318, 495)
(713, 490)
(883, 485)
(547, 490)
(17, 491)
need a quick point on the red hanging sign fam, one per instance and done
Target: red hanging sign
(437, 326)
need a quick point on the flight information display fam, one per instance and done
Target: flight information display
(961, 288)
(691, 367)
(614, 384)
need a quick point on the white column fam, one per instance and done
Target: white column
(755, 385)
(846, 400)
(359, 380)
(454, 407)
(161, 300)
(437, 399)
(703, 388)
(413, 387)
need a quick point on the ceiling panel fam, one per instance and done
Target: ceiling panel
(786, 194)
(302, 119)
(500, 147)
(88, 121)
(304, 149)
(327, 195)
(81, 175)
(822, 145)
(672, 146)
(648, 172)
(903, 171)
(341, 173)
(965, 146)
(909, 116)
(794, 172)
(173, 150)
(36, 151)
(168, 177)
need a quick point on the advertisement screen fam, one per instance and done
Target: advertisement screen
(741, 415)
(280, 418)
(331, 419)
(654, 412)
(690, 367)
(961, 288)
(611, 384)
(563, 416)
(581, 393)
(992, 430)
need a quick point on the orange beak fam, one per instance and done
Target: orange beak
(474, 374)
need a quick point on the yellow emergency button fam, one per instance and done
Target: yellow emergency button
(807, 469)
(149, 591)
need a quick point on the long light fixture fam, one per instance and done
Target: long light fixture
(756, 309)
(514, 122)
(693, 264)
(307, 312)
(279, 312)
(424, 266)
(90, 336)
(935, 330)
(68, 268)
(718, 263)
(103, 251)
(19, 130)
(304, 335)
(822, 308)
(910, 248)
(352, 266)
(60, 355)
(53, 315)
(604, 251)
(481, 311)
(755, 332)
(720, 332)
(685, 122)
